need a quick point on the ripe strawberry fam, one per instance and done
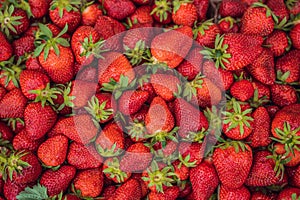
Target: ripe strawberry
(293, 6)
(53, 151)
(21, 141)
(257, 13)
(83, 156)
(233, 8)
(289, 193)
(242, 90)
(39, 8)
(38, 119)
(5, 48)
(57, 63)
(237, 50)
(283, 95)
(171, 193)
(206, 32)
(260, 137)
(184, 13)
(76, 96)
(112, 27)
(110, 142)
(191, 154)
(159, 118)
(295, 36)
(204, 180)
(11, 189)
(162, 11)
(130, 190)
(2, 92)
(182, 172)
(119, 9)
(136, 158)
(131, 101)
(291, 156)
(16, 124)
(33, 63)
(288, 67)
(141, 17)
(90, 14)
(108, 191)
(57, 181)
(279, 8)
(89, 182)
(188, 118)
(13, 104)
(165, 85)
(241, 193)
(202, 8)
(79, 128)
(23, 45)
(62, 14)
(5, 132)
(177, 42)
(294, 176)
(228, 25)
(111, 169)
(259, 195)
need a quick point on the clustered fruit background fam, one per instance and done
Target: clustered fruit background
(150, 99)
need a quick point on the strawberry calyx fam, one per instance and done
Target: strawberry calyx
(279, 160)
(219, 53)
(90, 48)
(237, 117)
(45, 95)
(11, 71)
(269, 12)
(237, 145)
(213, 115)
(159, 177)
(196, 136)
(160, 156)
(229, 19)
(163, 137)
(113, 170)
(190, 88)
(46, 42)
(136, 130)
(256, 102)
(8, 22)
(12, 122)
(139, 53)
(65, 91)
(109, 152)
(38, 192)
(290, 3)
(162, 8)
(288, 137)
(68, 5)
(177, 4)
(202, 27)
(98, 110)
(186, 161)
(24, 5)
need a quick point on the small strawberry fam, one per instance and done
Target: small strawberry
(90, 13)
(131, 101)
(13, 104)
(78, 98)
(289, 193)
(233, 8)
(283, 95)
(141, 17)
(130, 190)
(171, 193)
(5, 132)
(182, 172)
(111, 169)
(119, 10)
(5, 48)
(11, 189)
(278, 43)
(206, 32)
(162, 11)
(83, 156)
(191, 154)
(279, 8)
(242, 90)
(294, 176)
(21, 141)
(184, 13)
(23, 45)
(53, 151)
(202, 8)
(295, 36)
(228, 25)
(241, 193)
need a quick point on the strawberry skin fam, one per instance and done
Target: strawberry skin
(23, 45)
(71, 18)
(13, 104)
(233, 8)
(242, 90)
(131, 101)
(202, 7)
(39, 8)
(283, 95)
(295, 36)
(277, 42)
(185, 15)
(119, 9)
(288, 193)
(90, 14)
(171, 193)
(12, 189)
(241, 193)
(130, 190)
(5, 48)
(21, 141)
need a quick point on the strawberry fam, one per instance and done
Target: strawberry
(111, 169)
(90, 13)
(141, 2)
(290, 156)
(76, 96)
(279, 8)
(206, 32)
(237, 50)
(130, 190)
(188, 118)
(38, 119)
(79, 128)
(233, 8)
(136, 158)
(2, 92)
(62, 13)
(204, 179)
(131, 101)
(60, 70)
(159, 118)
(263, 69)
(191, 154)
(162, 11)
(53, 151)
(108, 191)
(293, 175)
(242, 90)
(182, 172)
(112, 27)
(23, 45)
(5, 48)
(293, 6)
(83, 157)
(89, 182)
(39, 8)
(262, 196)
(241, 193)
(110, 142)
(170, 193)
(119, 9)
(177, 42)
(287, 67)
(289, 193)
(283, 95)
(6, 133)
(260, 137)
(11, 190)
(184, 13)
(141, 17)
(165, 85)
(228, 25)
(202, 8)
(21, 141)
(33, 63)
(13, 104)
(295, 36)
(16, 124)
(57, 181)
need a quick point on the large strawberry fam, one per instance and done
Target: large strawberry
(13, 104)
(54, 55)
(277, 42)
(90, 13)
(6, 48)
(131, 101)
(184, 13)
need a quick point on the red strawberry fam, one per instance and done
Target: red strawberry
(57, 181)
(241, 193)
(277, 41)
(89, 182)
(81, 98)
(21, 141)
(5, 48)
(141, 17)
(294, 176)
(206, 32)
(294, 7)
(112, 27)
(119, 9)
(23, 45)
(228, 25)
(38, 120)
(90, 14)
(184, 13)
(291, 155)
(13, 104)
(34, 64)
(242, 90)
(289, 193)
(162, 11)
(111, 169)
(108, 191)
(11, 190)
(279, 8)
(283, 95)
(2, 92)
(177, 44)
(159, 118)
(233, 8)
(262, 196)
(204, 179)
(254, 14)
(5, 132)
(260, 137)
(171, 193)
(53, 151)
(83, 156)
(295, 36)
(39, 8)
(202, 8)
(61, 15)
(181, 171)
(191, 154)
(130, 190)
(136, 158)
(131, 101)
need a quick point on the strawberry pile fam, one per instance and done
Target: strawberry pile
(142, 99)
